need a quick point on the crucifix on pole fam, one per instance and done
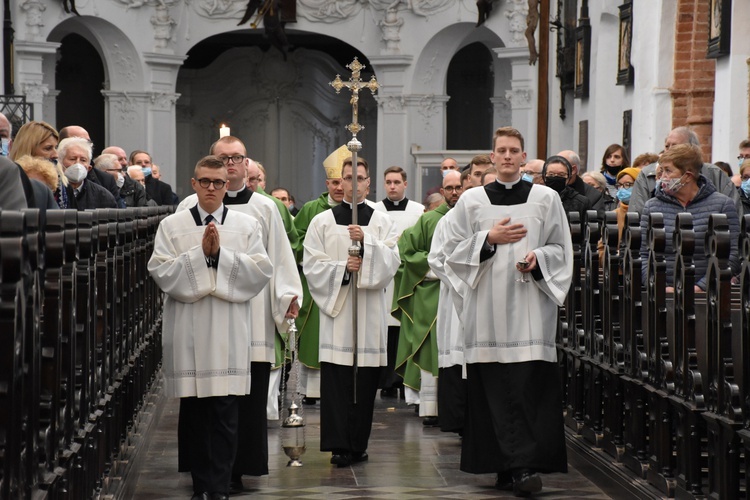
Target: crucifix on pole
(355, 84)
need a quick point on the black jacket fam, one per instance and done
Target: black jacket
(106, 181)
(574, 202)
(159, 191)
(133, 194)
(596, 198)
(92, 195)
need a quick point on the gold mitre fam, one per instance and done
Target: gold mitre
(335, 162)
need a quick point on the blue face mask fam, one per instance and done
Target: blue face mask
(146, 171)
(745, 186)
(528, 178)
(4, 147)
(623, 194)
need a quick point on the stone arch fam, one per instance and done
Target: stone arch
(123, 67)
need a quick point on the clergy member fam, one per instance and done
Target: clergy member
(510, 243)
(269, 311)
(404, 213)
(210, 262)
(308, 320)
(345, 425)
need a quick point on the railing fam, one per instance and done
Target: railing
(80, 344)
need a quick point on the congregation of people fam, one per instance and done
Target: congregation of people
(457, 298)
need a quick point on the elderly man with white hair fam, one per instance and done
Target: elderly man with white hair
(132, 193)
(74, 155)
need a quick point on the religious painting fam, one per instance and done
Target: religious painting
(582, 61)
(719, 28)
(625, 73)
(627, 130)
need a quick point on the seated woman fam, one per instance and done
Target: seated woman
(555, 175)
(597, 181)
(684, 189)
(745, 185)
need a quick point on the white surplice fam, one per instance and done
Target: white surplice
(326, 252)
(269, 307)
(205, 334)
(506, 321)
(403, 219)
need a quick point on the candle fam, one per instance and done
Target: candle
(223, 131)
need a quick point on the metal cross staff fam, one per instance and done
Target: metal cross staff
(354, 84)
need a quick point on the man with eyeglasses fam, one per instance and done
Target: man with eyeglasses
(531, 171)
(269, 311)
(404, 213)
(157, 190)
(744, 152)
(345, 425)
(416, 307)
(132, 193)
(210, 262)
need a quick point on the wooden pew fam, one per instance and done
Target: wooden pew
(573, 339)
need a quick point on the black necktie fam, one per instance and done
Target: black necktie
(208, 220)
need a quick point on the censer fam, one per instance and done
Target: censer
(293, 426)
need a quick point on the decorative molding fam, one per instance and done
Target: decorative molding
(500, 103)
(517, 12)
(391, 103)
(163, 25)
(219, 9)
(427, 105)
(519, 98)
(332, 11)
(33, 10)
(163, 101)
(35, 91)
(124, 105)
(390, 26)
(124, 64)
(432, 69)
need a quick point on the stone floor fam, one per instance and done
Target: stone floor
(407, 461)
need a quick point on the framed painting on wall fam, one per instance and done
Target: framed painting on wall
(582, 61)
(625, 73)
(719, 27)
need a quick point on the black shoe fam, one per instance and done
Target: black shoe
(219, 496)
(309, 401)
(341, 460)
(200, 496)
(504, 481)
(430, 422)
(389, 393)
(360, 457)
(235, 485)
(526, 483)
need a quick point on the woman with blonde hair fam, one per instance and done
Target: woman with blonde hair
(43, 171)
(39, 139)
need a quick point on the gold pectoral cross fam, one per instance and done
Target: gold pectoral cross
(355, 84)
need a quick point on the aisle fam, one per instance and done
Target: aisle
(407, 461)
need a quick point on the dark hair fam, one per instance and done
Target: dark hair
(395, 170)
(360, 161)
(611, 149)
(557, 159)
(137, 152)
(725, 167)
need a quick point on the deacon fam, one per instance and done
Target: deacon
(404, 213)
(308, 321)
(269, 311)
(210, 262)
(416, 306)
(345, 425)
(509, 242)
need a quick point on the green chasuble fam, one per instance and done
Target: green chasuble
(308, 320)
(291, 233)
(415, 301)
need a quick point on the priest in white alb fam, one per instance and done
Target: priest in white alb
(344, 425)
(210, 262)
(509, 241)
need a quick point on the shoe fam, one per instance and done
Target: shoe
(360, 457)
(341, 460)
(235, 485)
(430, 422)
(219, 496)
(526, 483)
(200, 496)
(309, 401)
(389, 393)
(504, 481)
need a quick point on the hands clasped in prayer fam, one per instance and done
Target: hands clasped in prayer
(504, 232)
(211, 240)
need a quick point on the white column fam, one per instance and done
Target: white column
(522, 96)
(30, 62)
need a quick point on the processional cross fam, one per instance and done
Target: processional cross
(355, 84)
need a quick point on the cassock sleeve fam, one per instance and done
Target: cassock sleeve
(285, 282)
(436, 260)
(381, 260)
(183, 276)
(324, 275)
(555, 257)
(463, 247)
(242, 273)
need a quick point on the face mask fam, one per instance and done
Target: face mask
(120, 180)
(445, 172)
(623, 194)
(4, 148)
(76, 173)
(672, 186)
(146, 171)
(528, 178)
(613, 170)
(746, 187)
(556, 183)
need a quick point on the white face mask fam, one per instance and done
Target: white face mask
(120, 180)
(76, 173)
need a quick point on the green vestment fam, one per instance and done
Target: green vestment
(415, 301)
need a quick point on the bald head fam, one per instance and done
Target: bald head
(451, 189)
(533, 168)
(122, 157)
(74, 131)
(575, 162)
(5, 127)
(253, 175)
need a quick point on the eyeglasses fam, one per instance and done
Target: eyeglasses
(745, 177)
(743, 157)
(626, 185)
(530, 172)
(359, 179)
(233, 159)
(453, 189)
(114, 170)
(217, 183)
(558, 176)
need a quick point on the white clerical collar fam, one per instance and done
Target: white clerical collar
(234, 194)
(332, 203)
(395, 203)
(508, 185)
(218, 214)
(349, 203)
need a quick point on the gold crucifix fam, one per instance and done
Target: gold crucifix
(355, 84)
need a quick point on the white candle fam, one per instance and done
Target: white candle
(223, 131)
